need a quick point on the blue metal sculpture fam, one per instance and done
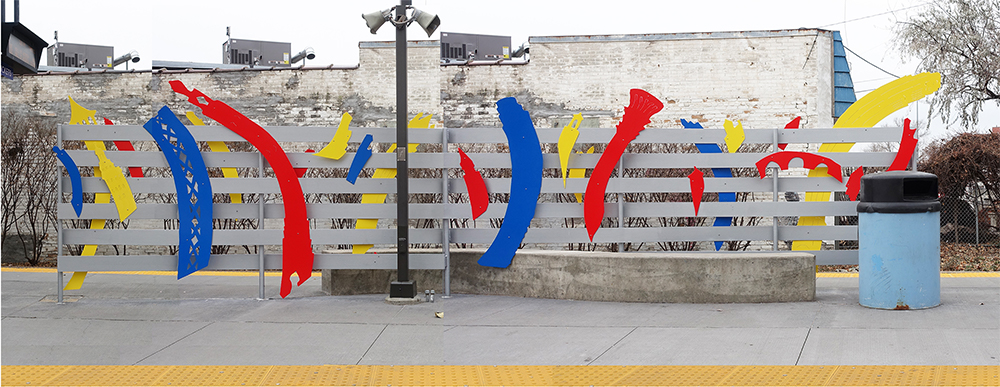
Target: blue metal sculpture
(525, 183)
(360, 158)
(74, 179)
(720, 221)
(194, 190)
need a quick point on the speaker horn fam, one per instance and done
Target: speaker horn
(428, 21)
(375, 19)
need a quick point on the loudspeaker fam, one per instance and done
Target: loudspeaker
(428, 21)
(375, 20)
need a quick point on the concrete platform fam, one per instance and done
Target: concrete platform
(217, 320)
(676, 277)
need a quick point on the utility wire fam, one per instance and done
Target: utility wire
(871, 16)
(866, 61)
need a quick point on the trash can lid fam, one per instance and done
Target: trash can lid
(908, 191)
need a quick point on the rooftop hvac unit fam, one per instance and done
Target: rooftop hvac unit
(256, 53)
(455, 46)
(81, 55)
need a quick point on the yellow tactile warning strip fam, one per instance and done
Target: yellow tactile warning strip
(356, 375)
(949, 274)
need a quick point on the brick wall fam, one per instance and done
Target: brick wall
(762, 78)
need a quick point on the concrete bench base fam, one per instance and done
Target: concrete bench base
(725, 277)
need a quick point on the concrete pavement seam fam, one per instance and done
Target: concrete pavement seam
(613, 345)
(171, 344)
(372, 344)
(806, 340)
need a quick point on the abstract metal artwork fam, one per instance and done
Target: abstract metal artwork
(525, 183)
(809, 161)
(567, 138)
(697, 178)
(865, 113)
(218, 146)
(641, 108)
(854, 183)
(120, 190)
(296, 253)
(360, 159)
(479, 198)
(194, 190)
(580, 173)
(337, 147)
(907, 144)
(724, 197)
(76, 200)
(735, 135)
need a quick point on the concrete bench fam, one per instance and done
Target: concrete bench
(676, 277)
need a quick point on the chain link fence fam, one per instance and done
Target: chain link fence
(970, 218)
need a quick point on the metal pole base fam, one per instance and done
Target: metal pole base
(406, 289)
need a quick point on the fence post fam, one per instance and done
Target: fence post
(975, 216)
(260, 226)
(59, 231)
(621, 205)
(774, 198)
(446, 220)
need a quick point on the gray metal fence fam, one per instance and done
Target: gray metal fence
(443, 212)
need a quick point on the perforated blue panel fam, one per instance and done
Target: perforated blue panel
(194, 190)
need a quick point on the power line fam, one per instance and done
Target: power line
(871, 16)
(866, 61)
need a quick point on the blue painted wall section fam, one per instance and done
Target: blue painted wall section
(843, 86)
(194, 193)
(74, 179)
(360, 159)
(525, 183)
(720, 221)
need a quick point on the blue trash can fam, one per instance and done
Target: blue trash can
(899, 241)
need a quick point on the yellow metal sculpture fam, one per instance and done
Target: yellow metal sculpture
(80, 115)
(567, 138)
(579, 173)
(418, 122)
(218, 146)
(120, 190)
(734, 135)
(865, 113)
(337, 147)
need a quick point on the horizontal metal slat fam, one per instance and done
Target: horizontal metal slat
(245, 262)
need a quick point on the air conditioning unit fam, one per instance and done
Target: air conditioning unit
(464, 47)
(256, 53)
(81, 55)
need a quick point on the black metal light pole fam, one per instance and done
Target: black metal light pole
(403, 287)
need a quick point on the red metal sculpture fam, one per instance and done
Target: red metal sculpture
(475, 185)
(296, 251)
(641, 108)
(809, 160)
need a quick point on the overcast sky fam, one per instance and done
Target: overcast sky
(190, 30)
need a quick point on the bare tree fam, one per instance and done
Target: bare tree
(959, 39)
(29, 183)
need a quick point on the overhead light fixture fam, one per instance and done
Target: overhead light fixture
(304, 54)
